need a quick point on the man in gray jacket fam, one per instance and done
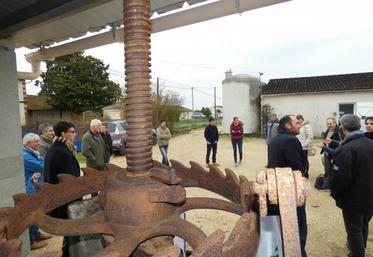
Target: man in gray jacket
(93, 146)
(46, 138)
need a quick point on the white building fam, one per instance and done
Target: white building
(219, 110)
(186, 113)
(317, 98)
(241, 95)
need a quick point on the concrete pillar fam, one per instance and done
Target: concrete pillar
(11, 163)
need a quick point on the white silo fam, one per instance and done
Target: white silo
(241, 98)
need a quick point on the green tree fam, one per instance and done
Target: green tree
(206, 111)
(168, 106)
(78, 83)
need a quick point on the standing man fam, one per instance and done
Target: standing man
(93, 146)
(352, 184)
(369, 127)
(236, 131)
(163, 136)
(305, 137)
(271, 128)
(46, 138)
(34, 170)
(109, 151)
(332, 140)
(285, 150)
(212, 138)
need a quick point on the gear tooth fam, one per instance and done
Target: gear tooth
(20, 198)
(42, 186)
(113, 167)
(195, 166)
(65, 177)
(216, 173)
(231, 176)
(89, 171)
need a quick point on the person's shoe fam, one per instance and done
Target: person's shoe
(207, 165)
(235, 164)
(239, 162)
(44, 237)
(37, 245)
(216, 164)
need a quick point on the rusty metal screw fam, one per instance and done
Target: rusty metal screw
(137, 31)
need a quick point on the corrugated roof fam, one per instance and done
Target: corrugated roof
(55, 26)
(329, 83)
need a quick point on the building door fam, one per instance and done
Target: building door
(346, 109)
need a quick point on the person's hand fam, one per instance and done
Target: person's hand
(320, 145)
(215, 142)
(36, 176)
(208, 142)
(327, 141)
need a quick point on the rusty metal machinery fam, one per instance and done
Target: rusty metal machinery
(145, 200)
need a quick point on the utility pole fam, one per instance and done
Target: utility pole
(192, 99)
(157, 89)
(215, 103)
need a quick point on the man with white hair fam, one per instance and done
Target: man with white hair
(34, 167)
(93, 146)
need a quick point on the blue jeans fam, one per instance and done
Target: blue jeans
(237, 143)
(302, 225)
(164, 152)
(34, 233)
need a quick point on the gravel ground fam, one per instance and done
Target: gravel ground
(326, 234)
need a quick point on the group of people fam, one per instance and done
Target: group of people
(53, 152)
(347, 158)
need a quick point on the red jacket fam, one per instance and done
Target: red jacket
(237, 131)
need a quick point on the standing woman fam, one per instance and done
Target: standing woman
(236, 132)
(61, 158)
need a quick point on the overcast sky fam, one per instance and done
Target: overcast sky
(292, 39)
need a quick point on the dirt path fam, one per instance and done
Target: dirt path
(326, 234)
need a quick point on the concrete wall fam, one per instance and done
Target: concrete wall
(240, 98)
(11, 163)
(315, 107)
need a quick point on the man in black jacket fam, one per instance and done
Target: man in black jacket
(352, 183)
(212, 138)
(285, 150)
(331, 140)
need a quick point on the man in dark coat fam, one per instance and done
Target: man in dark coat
(212, 138)
(331, 140)
(285, 150)
(109, 151)
(352, 183)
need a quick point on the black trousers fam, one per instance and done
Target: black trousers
(305, 152)
(214, 148)
(357, 225)
(328, 171)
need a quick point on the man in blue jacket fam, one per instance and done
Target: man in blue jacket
(34, 166)
(284, 151)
